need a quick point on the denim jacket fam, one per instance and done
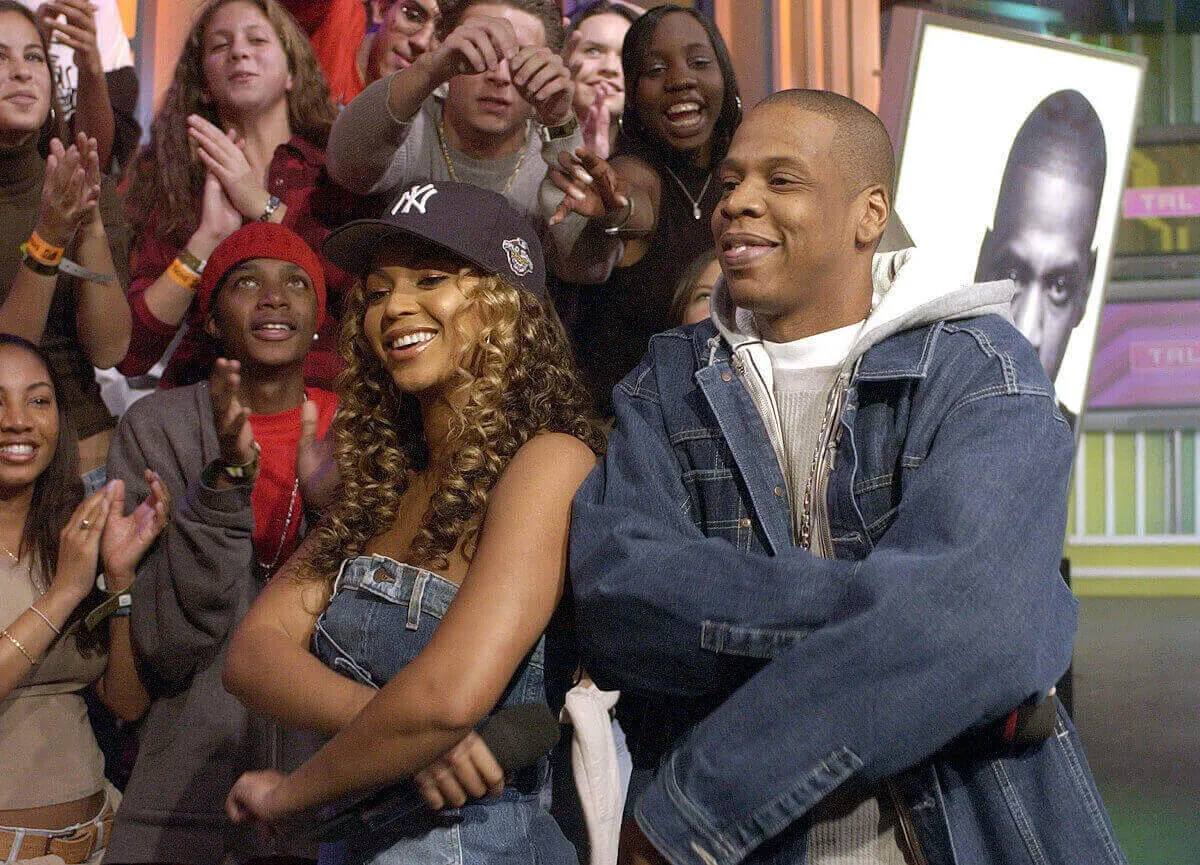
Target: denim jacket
(779, 676)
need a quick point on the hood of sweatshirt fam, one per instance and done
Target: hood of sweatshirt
(909, 289)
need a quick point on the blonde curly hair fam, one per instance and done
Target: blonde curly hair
(516, 379)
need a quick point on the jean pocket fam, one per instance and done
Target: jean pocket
(726, 639)
(334, 656)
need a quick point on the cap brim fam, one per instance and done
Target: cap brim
(352, 246)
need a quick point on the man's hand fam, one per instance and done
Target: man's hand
(234, 433)
(316, 468)
(593, 188)
(636, 848)
(543, 80)
(476, 45)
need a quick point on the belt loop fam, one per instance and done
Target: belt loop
(414, 601)
(15, 851)
(341, 571)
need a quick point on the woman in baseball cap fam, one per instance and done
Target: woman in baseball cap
(462, 436)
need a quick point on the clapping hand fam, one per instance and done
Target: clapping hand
(126, 538)
(316, 469)
(232, 418)
(593, 188)
(223, 154)
(70, 189)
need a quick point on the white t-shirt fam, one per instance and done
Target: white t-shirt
(115, 52)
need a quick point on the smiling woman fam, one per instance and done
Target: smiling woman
(240, 137)
(56, 207)
(427, 590)
(656, 197)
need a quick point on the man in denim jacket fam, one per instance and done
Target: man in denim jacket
(820, 559)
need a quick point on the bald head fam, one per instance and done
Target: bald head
(861, 145)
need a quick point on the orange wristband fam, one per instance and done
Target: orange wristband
(184, 275)
(46, 253)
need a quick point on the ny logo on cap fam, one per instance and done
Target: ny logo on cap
(519, 259)
(417, 197)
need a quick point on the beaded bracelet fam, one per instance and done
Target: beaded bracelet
(20, 648)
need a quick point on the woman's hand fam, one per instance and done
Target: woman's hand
(222, 154)
(234, 433)
(592, 186)
(597, 121)
(79, 547)
(126, 538)
(468, 771)
(218, 218)
(70, 190)
(76, 30)
(252, 797)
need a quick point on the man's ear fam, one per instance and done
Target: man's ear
(375, 10)
(210, 326)
(873, 218)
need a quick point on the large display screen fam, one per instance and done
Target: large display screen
(1147, 356)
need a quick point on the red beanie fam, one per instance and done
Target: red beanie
(260, 240)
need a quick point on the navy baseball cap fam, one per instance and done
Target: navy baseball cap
(469, 221)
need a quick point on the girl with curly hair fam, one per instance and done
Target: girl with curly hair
(240, 136)
(462, 436)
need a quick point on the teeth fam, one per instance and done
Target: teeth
(19, 449)
(274, 326)
(411, 339)
(683, 108)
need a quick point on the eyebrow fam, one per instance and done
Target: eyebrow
(38, 384)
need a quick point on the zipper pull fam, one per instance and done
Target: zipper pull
(739, 368)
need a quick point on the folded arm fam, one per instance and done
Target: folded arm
(505, 602)
(955, 617)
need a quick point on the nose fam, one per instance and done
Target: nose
(679, 77)
(14, 417)
(272, 295)
(742, 200)
(610, 66)
(21, 69)
(400, 302)
(422, 40)
(240, 47)
(500, 74)
(1028, 308)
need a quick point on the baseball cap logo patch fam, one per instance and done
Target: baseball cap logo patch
(418, 196)
(519, 259)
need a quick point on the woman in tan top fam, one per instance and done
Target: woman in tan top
(54, 805)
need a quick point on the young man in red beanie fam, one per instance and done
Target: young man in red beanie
(237, 452)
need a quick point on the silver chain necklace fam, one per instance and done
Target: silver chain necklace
(695, 202)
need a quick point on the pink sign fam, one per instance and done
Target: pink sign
(1158, 201)
(1164, 355)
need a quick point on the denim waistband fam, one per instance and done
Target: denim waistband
(398, 583)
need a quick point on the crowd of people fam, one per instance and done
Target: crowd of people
(504, 357)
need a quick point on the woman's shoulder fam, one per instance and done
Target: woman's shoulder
(548, 461)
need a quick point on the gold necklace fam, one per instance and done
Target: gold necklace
(441, 134)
